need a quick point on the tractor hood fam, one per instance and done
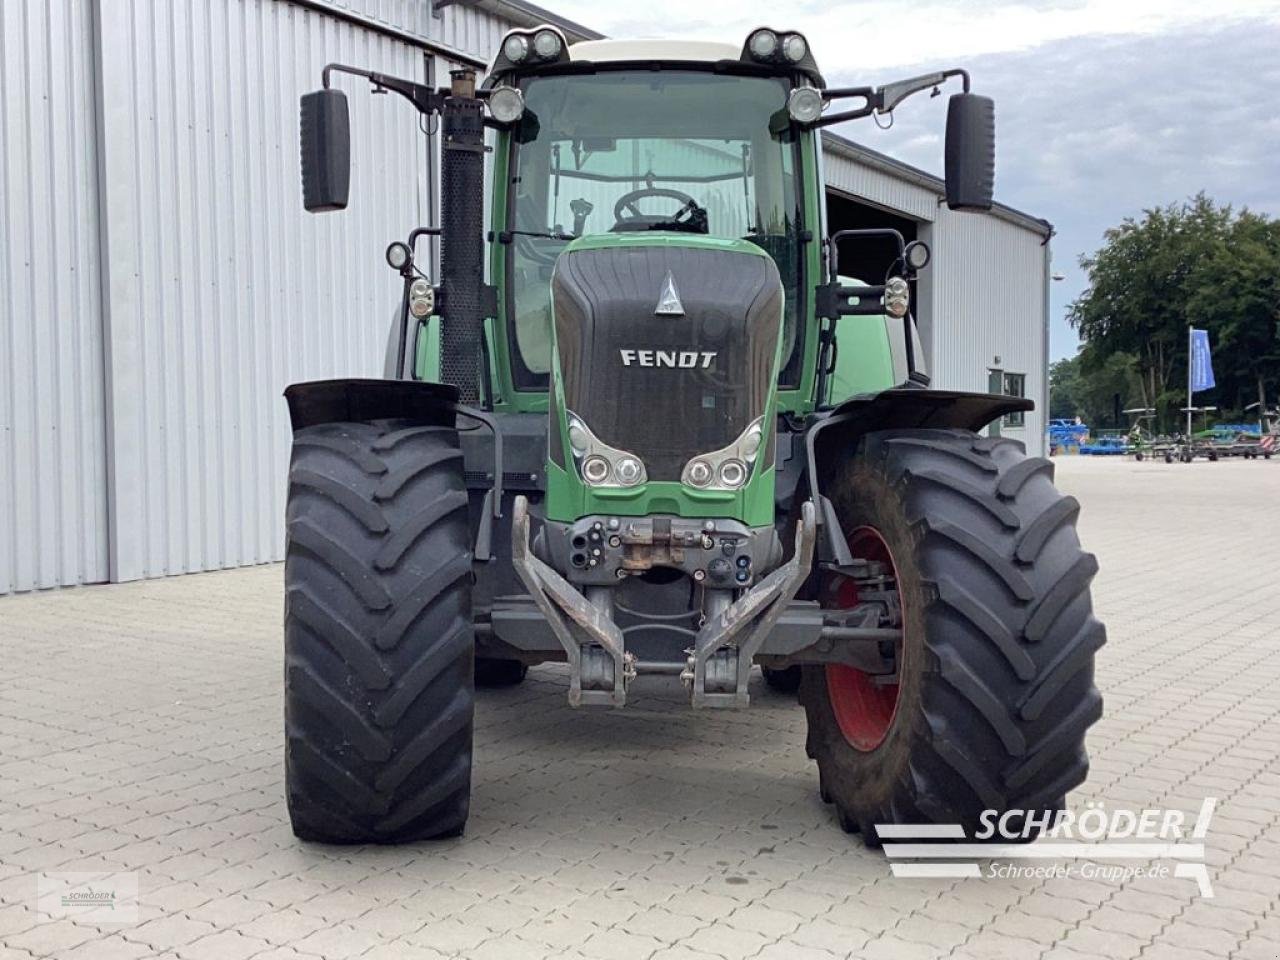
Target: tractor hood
(666, 344)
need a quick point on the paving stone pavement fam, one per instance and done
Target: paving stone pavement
(140, 731)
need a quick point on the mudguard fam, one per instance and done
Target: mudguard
(337, 401)
(902, 408)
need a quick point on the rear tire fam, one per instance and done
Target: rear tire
(492, 672)
(378, 638)
(995, 686)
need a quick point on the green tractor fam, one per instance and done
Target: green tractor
(643, 425)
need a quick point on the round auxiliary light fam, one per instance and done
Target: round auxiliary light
(595, 469)
(398, 255)
(546, 44)
(751, 442)
(916, 254)
(515, 48)
(578, 438)
(795, 47)
(506, 104)
(422, 299)
(763, 44)
(699, 473)
(733, 473)
(629, 471)
(804, 104)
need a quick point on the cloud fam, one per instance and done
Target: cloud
(1091, 130)
(1102, 108)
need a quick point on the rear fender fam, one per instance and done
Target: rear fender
(837, 433)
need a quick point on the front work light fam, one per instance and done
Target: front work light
(804, 104)
(506, 104)
(399, 256)
(516, 48)
(794, 47)
(763, 44)
(547, 44)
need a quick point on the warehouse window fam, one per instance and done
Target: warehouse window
(1015, 385)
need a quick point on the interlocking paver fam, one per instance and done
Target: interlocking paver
(697, 835)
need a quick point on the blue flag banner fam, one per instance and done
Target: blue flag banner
(1201, 361)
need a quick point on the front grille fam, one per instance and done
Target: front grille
(667, 387)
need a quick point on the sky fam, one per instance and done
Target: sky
(1103, 109)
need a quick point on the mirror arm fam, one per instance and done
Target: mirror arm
(884, 99)
(421, 96)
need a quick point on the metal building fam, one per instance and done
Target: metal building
(160, 285)
(982, 305)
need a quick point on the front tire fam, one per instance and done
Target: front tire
(379, 696)
(994, 685)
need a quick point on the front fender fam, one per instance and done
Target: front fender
(355, 401)
(839, 430)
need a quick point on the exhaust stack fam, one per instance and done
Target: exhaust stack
(462, 236)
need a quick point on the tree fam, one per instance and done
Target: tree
(1236, 294)
(1194, 263)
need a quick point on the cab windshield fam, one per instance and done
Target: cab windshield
(622, 151)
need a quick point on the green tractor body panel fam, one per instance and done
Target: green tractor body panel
(791, 159)
(568, 497)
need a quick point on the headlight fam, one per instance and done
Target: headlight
(897, 297)
(422, 299)
(629, 471)
(733, 473)
(516, 48)
(595, 469)
(728, 468)
(698, 473)
(506, 104)
(804, 104)
(599, 464)
(546, 44)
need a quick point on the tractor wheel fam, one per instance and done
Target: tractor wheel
(993, 689)
(492, 672)
(781, 680)
(1138, 456)
(379, 692)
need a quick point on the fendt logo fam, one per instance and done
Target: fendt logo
(675, 359)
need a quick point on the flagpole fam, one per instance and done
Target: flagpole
(1190, 332)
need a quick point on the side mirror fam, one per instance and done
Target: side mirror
(326, 151)
(970, 152)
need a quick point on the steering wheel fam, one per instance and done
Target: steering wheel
(628, 215)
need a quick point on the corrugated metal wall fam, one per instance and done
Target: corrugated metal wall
(53, 526)
(160, 284)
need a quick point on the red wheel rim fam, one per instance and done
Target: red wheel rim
(864, 710)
